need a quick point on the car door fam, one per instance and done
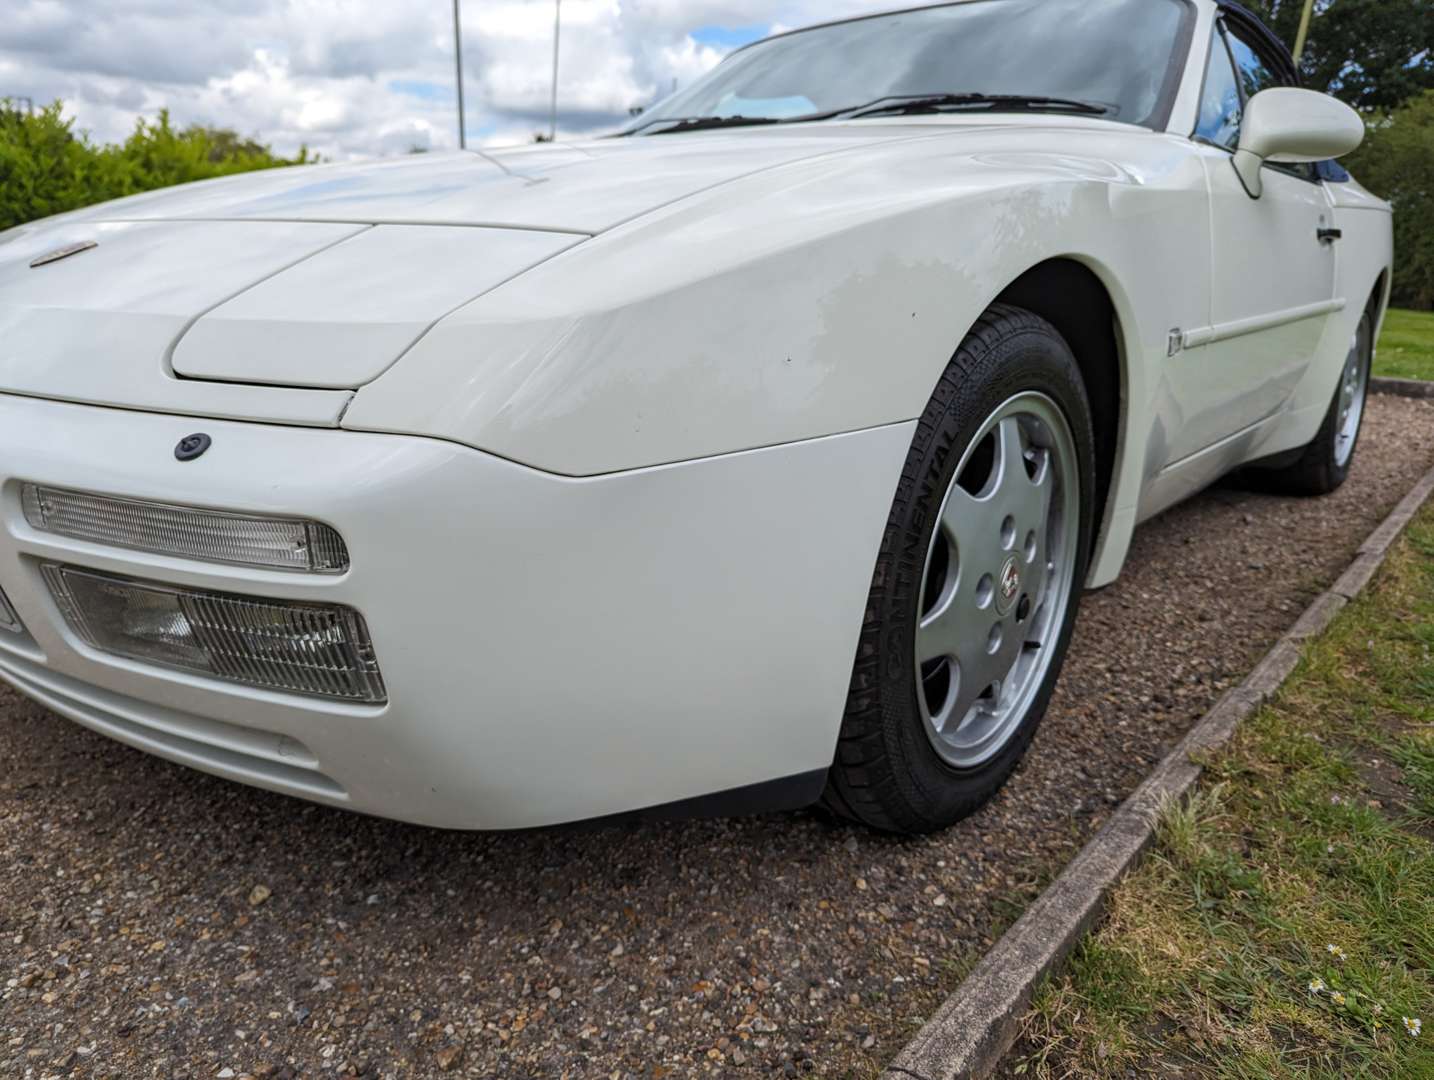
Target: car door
(1273, 280)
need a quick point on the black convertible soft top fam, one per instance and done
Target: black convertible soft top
(1279, 51)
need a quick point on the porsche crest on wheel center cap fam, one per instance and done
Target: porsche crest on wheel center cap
(1008, 585)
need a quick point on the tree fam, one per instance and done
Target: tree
(46, 167)
(1372, 54)
(226, 145)
(160, 155)
(1396, 162)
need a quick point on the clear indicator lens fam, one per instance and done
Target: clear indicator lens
(319, 649)
(186, 532)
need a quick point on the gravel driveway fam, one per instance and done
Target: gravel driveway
(159, 922)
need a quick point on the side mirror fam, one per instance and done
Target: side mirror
(1286, 124)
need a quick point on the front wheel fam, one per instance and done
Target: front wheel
(976, 585)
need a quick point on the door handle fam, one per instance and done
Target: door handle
(1328, 236)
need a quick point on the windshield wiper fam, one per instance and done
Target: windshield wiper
(884, 106)
(700, 123)
(924, 103)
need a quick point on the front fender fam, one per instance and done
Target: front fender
(818, 298)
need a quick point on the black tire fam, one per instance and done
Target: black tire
(886, 773)
(1319, 469)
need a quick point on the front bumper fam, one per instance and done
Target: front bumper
(555, 649)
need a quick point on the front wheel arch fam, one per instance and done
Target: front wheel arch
(1070, 296)
(887, 771)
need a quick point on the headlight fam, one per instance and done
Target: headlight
(319, 649)
(186, 532)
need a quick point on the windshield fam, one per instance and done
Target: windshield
(1118, 54)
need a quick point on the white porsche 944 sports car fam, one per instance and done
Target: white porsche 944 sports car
(755, 456)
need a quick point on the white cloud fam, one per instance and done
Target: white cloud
(362, 77)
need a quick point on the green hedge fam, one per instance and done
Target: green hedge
(1396, 162)
(47, 168)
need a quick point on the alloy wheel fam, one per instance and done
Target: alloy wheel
(997, 579)
(1353, 388)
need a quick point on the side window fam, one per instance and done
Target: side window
(1228, 89)
(1255, 74)
(1220, 101)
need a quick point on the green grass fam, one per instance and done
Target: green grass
(1406, 345)
(1315, 827)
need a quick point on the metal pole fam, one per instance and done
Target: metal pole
(557, 29)
(1304, 31)
(458, 64)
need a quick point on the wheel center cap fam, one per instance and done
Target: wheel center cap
(1008, 585)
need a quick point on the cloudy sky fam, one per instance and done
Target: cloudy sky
(371, 77)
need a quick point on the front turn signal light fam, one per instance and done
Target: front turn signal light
(186, 532)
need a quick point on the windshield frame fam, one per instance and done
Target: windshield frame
(1158, 120)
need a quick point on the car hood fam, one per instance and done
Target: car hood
(585, 187)
(315, 280)
(137, 307)
(320, 277)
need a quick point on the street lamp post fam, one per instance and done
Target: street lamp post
(458, 65)
(1304, 31)
(557, 29)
